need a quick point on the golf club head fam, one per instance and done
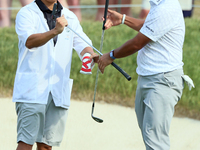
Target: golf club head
(97, 119)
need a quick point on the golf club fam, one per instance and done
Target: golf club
(97, 75)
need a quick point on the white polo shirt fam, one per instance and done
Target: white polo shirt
(165, 26)
(46, 68)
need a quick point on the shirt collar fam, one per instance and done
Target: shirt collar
(44, 8)
(156, 1)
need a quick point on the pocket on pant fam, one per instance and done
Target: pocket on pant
(174, 81)
(170, 81)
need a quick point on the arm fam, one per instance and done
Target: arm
(128, 48)
(131, 46)
(134, 23)
(87, 50)
(115, 18)
(39, 39)
(90, 50)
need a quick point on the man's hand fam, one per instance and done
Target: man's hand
(113, 19)
(104, 61)
(95, 57)
(88, 61)
(61, 23)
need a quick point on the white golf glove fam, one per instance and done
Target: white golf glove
(87, 64)
(188, 81)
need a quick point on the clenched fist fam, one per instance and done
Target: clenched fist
(61, 23)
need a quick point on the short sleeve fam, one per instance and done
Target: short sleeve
(157, 24)
(79, 44)
(24, 25)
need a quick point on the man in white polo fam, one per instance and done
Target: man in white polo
(159, 44)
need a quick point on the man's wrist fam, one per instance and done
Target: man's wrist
(55, 32)
(123, 18)
(112, 54)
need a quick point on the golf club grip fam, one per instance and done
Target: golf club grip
(105, 13)
(54, 10)
(121, 71)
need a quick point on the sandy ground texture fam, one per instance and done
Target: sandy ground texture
(119, 131)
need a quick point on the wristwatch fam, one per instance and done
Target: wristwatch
(112, 54)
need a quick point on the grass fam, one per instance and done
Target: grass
(112, 86)
(191, 55)
(8, 57)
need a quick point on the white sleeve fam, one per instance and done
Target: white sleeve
(157, 24)
(24, 25)
(78, 43)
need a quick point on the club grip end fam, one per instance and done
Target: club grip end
(121, 71)
(105, 13)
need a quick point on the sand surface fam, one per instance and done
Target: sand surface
(119, 131)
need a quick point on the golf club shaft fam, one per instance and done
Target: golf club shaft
(95, 89)
(85, 41)
(113, 64)
(101, 46)
(54, 11)
(97, 75)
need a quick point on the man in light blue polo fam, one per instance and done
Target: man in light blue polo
(159, 44)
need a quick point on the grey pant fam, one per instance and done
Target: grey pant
(41, 123)
(156, 96)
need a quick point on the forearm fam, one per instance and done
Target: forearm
(128, 48)
(131, 46)
(39, 39)
(134, 23)
(93, 55)
(87, 50)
